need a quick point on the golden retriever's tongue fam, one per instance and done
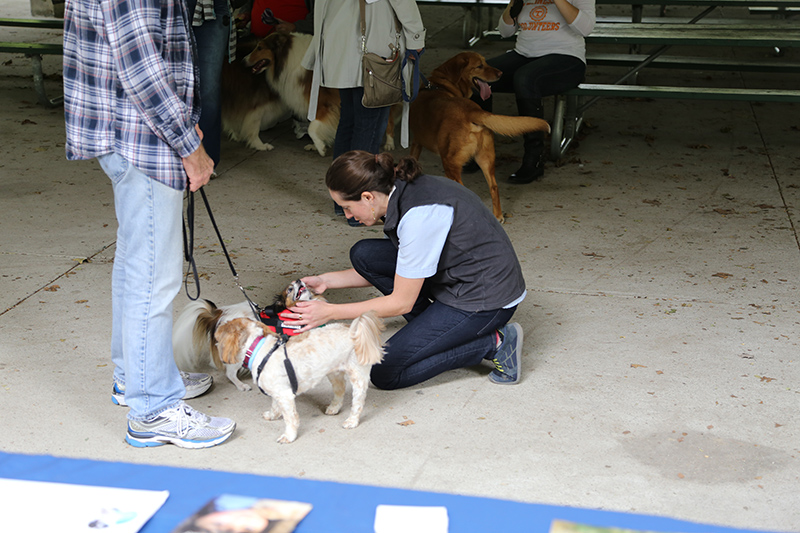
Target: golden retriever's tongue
(484, 88)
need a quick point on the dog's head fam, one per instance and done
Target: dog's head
(233, 338)
(466, 72)
(270, 52)
(296, 291)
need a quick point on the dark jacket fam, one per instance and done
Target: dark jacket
(478, 269)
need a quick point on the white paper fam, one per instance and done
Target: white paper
(66, 508)
(405, 518)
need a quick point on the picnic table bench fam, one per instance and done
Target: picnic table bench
(569, 109)
(35, 51)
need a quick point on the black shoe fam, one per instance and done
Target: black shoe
(532, 167)
(528, 173)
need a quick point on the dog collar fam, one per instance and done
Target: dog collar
(254, 346)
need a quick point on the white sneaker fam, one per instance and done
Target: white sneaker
(195, 384)
(182, 426)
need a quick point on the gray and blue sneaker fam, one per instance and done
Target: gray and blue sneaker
(182, 426)
(195, 384)
(507, 363)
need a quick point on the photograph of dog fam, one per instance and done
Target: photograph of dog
(193, 344)
(278, 56)
(445, 121)
(336, 350)
(248, 104)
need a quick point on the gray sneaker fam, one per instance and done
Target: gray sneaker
(182, 426)
(506, 360)
(196, 384)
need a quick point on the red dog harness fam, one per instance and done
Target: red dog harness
(274, 321)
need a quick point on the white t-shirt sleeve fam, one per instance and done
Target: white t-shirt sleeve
(422, 233)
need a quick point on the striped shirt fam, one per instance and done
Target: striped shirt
(129, 84)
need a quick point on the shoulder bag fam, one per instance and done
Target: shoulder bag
(382, 77)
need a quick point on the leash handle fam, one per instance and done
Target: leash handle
(188, 248)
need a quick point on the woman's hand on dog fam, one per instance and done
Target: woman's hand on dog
(310, 314)
(315, 283)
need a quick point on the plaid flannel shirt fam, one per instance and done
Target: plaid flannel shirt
(129, 84)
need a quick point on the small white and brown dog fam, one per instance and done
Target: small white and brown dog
(282, 369)
(193, 343)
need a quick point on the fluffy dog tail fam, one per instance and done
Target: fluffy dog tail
(511, 126)
(365, 331)
(193, 344)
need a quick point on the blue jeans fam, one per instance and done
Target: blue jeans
(145, 279)
(212, 51)
(437, 337)
(537, 77)
(360, 128)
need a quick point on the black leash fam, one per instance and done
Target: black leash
(188, 251)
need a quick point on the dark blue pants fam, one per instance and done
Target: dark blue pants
(535, 78)
(437, 337)
(212, 51)
(360, 128)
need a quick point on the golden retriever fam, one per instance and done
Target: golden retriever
(445, 121)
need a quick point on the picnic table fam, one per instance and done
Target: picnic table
(569, 109)
(480, 18)
(35, 51)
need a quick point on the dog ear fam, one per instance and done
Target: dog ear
(282, 40)
(279, 303)
(451, 69)
(228, 336)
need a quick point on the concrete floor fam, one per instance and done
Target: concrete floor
(662, 322)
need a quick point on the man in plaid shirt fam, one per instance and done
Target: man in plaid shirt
(130, 98)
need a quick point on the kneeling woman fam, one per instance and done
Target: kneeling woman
(447, 266)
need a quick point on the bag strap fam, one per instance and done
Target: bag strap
(362, 6)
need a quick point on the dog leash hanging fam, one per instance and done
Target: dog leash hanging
(266, 316)
(188, 251)
(416, 75)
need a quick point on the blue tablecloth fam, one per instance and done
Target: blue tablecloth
(338, 507)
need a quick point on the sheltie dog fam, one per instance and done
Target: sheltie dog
(249, 105)
(279, 55)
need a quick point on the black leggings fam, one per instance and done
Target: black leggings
(532, 78)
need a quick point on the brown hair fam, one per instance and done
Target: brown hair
(355, 172)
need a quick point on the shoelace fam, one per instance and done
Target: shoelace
(186, 416)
